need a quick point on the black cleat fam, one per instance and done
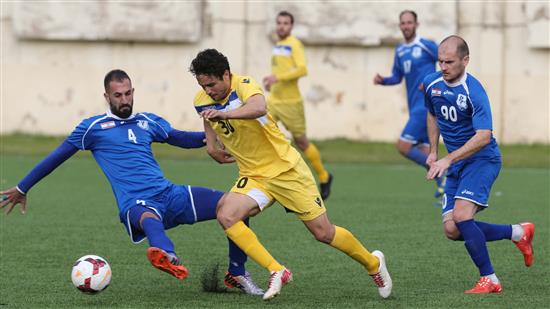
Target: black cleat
(325, 187)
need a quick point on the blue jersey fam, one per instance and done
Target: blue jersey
(413, 60)
(122, 148)
(461, 109)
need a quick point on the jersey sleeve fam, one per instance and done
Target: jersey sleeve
(481, 116)
(299, 58)
(248, 87)
(397, 72)
(160, 127)
(427, 97)
(78, 137)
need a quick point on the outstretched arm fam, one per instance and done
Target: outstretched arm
(255, 107)
(17, 194)
(185, 139)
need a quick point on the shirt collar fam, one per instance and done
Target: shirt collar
(459, 82)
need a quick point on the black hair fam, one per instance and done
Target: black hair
(288, 14)
(209, 62)
(117, 75)
(462, 49)
(411, 12)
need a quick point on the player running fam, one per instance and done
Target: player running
(459, 109)
(270, 169)
(148, 203)
(414, 59)
(285, 103)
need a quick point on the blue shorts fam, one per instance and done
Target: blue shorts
(177, 205)
(470, 180)
(416, 131)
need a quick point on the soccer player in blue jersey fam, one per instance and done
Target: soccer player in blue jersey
(148, 203)
(414, 59)
(459, 109)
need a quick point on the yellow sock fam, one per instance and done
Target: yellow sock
(245, 239)
(314, 157)
(347, 243)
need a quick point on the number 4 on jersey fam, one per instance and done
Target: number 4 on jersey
(132, 136)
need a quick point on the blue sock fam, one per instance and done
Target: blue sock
(237, 258)
(474, 240)
(493, 232)
(154, 229)
(416, 155)
(151, 227)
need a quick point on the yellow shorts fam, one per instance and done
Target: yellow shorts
(291, 115)
(295, 189)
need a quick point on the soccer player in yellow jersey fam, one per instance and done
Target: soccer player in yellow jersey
(285, 102)
(234, 112)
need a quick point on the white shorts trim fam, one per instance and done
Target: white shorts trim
(410, 141)
(260, 197)
(192, 203)
(129, 225)
(473, 201)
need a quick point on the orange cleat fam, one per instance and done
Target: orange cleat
(166, 262)
(525, 244)
(484, 286)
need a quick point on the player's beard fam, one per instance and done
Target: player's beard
(124, 111)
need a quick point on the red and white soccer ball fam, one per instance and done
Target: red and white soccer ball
(91, 274)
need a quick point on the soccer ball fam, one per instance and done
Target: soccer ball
(91, 274)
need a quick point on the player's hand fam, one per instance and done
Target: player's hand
(378, 79)
(213, 115)
(432, 157)
(221, 156)
(12, 197)
(268, 81)
(438, 168)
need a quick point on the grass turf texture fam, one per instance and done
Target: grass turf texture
(388, 207)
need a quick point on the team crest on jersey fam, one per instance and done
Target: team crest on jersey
(436, 92)
(461, 102)
(144, 124)
(416, 52)
(107, 125)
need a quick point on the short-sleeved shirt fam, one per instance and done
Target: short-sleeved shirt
(461, 108)
(258, 146)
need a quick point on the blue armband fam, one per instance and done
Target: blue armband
(51, 162)
(185, 139)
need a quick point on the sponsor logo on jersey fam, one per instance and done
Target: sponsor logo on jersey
(461, 102)
(448, 92)
(144, 124)
(436, 92)
(246, 81)
(318, 201)
(466, 192)
(107, 125)
(416, 52)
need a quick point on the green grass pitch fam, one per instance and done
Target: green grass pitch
(389, 207)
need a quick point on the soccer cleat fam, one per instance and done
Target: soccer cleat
(276, 281)
(325, 187)
(166, 262)
(484, 286)
(525, 244)
(382, 278)
(244, 283)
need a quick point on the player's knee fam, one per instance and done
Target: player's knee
(450, 230)
(302, 142)
(403, 147)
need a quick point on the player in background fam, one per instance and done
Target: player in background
(285, 103)
(414, 59)
(459, 109)
(148, 203)
(270, 169)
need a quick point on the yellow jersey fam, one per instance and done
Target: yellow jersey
(288, 64)
(259, 147)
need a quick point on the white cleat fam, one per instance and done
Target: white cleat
(382, 278)
(276, 282)
(244, 283)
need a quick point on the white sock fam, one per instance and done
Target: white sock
(493, 278)
(517, 232)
